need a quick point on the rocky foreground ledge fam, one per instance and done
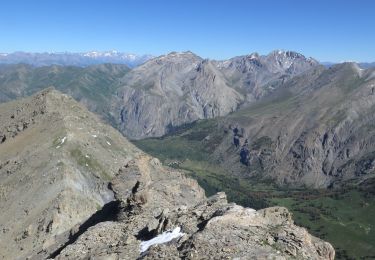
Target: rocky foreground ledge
(72, 187)
(164, 215)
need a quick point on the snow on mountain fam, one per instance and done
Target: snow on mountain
(77, 59)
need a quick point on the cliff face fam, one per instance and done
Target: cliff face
(73, 188)
(179, 88)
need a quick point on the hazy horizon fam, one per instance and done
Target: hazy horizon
(331, 31)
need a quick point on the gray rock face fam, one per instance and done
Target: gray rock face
(55, 162)
(209, 227)
(179, 88)
(259, 75)
(73, 188)
(316, 131)
(321, 135)
(171, 90)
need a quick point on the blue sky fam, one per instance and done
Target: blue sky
(328, 30)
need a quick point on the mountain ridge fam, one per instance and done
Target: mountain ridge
(308, 146)
(81, 59)
(316, 104)
(164, 92)
(106, 197)
(45, 152)
(203, 88)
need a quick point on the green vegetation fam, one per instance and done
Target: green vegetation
(343, 217)
(350, 82)
(184, 144)
(95, 85)
(212, 179)
(264, 141)
(283, 101)
(58, 141)
(89, 162)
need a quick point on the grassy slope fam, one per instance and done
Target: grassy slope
(94, 85)
(345, 218)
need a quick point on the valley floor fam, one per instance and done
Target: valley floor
(342, 217)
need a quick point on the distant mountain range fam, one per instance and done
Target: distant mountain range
(81, 59)
(164, 92)
(282, 120)
(160, 94)
(367, 65)
(363, 65)
(84, 59)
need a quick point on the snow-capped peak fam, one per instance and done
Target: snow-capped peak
(114, 54)
(76, 59)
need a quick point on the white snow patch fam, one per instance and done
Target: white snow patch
(161, 239)
(62, 141)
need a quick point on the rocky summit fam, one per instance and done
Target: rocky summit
(74, 188)
(181, 87)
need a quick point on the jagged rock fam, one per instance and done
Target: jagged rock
(211, 227)
(179, 88)
(54, 173)
(79, 190)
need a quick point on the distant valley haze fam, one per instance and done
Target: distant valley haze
(332, 31)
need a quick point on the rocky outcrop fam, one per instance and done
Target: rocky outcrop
(55, 163)
(74, 188)
(204, 227)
